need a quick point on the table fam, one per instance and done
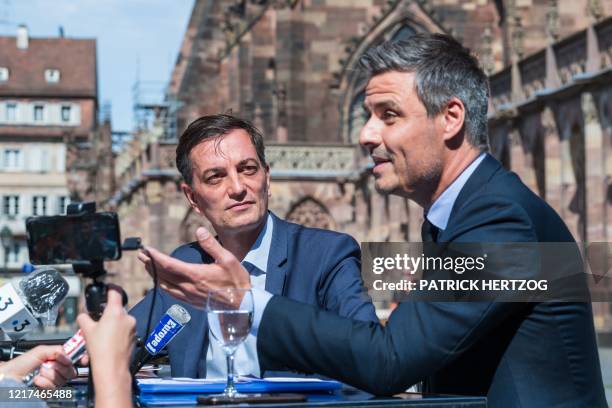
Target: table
(351, 397)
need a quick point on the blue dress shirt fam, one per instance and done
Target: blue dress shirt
(440, 211)
(245, 358)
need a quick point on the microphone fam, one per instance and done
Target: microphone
(74, 348)
(36, 296)
(168, 327)
(8, 353)
(44, 290)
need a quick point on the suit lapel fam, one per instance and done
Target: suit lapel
(199, 320)
(277, 259)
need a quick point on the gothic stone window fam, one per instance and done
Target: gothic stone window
(310, 213)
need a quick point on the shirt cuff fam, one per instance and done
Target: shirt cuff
(260, 301)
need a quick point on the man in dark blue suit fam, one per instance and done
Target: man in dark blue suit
(226, 179)
(427, 102)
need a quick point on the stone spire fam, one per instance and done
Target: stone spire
(518, 37)
(487, 58)
(552, 22)
(594, 10)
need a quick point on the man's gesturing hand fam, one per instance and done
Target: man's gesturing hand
(192, 282)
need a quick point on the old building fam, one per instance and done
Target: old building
(291, 67)
(48, 108)
(551, 123)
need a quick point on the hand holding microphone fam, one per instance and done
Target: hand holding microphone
(114, 330)
(55, 367)
(37, 296)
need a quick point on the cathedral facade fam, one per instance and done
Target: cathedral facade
(291, 67)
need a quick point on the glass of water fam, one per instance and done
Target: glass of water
(230, 315)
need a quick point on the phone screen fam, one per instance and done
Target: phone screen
(70, 238)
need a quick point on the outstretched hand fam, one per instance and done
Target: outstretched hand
(191, 283)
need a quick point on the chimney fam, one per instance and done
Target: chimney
(61, 31)
(22, 37)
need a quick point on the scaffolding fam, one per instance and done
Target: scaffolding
(155, 109)
(120, 139)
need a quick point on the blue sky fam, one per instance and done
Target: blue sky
(135, 38)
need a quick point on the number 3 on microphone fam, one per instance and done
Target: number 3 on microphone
(9, 302)
(4, 304)
(20, 327)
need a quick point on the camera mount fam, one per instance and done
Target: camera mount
(96, 291)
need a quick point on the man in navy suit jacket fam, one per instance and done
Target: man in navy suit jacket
(427, 102)
(226, 179)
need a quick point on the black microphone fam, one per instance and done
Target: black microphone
(168, 327)
(43, 290)
(36, 296)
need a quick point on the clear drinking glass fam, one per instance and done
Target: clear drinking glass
(230, 315)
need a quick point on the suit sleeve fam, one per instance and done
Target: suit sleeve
(341, 289)
(419, 339)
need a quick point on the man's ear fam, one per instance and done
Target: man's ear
(268, 180)
(453, 118)
(189, 194)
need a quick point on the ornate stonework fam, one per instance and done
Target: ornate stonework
(310, 213)
(533, 74)
(310, 160)
(292, 68)
(552, 22)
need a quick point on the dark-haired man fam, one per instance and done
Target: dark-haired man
(227, 180)
(427, 129)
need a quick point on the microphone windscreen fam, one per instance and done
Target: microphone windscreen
(179, 313)
(44, 290)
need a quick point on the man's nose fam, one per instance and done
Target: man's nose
(369, 137)
(236, 187)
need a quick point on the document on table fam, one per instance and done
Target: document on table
(243, 384)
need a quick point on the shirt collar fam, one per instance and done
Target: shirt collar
(259, 252)
(440, 211)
